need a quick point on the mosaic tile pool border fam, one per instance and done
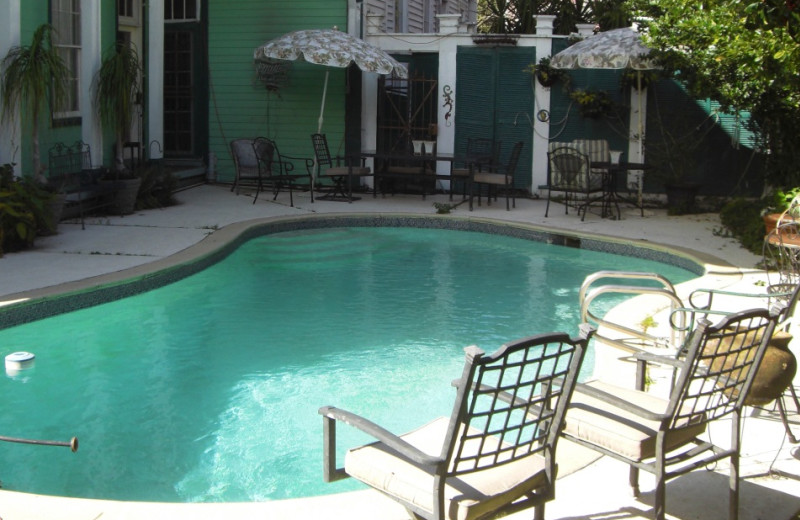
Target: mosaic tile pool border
(41, 308)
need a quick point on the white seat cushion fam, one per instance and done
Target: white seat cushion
(492, 178)
(466, 497)
(620, 431)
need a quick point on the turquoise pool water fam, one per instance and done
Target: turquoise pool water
(207, 389)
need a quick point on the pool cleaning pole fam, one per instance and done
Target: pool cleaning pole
(72, 444)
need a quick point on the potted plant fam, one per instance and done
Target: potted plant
(592, 103)
(784, 206)
(32, 74)
(546, 74)
(117, 90)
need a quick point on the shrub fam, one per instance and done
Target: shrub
(743, 219)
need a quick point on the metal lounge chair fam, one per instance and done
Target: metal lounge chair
(341, 174)
(495, 454)
(500, 177)
(713, 375)
(483, 154)
(278, 170)
(569, 172)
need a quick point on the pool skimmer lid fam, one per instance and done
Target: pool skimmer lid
(19, 361)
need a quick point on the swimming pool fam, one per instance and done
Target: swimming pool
(174, 392)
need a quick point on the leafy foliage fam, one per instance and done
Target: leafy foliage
(117, 90)
(31, 74)
(517, 16)
(23, 210)
(744, 55)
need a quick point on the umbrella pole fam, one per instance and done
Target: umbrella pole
(322, 107)
(319, 129)
(641, 132)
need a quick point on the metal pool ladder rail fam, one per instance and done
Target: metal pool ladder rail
(624, 282)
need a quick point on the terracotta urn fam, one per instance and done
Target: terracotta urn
(775, 374)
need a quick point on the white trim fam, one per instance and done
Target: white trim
(155, 79)
(181, 20)
(10, 128)
(135, 20)
(91, 58)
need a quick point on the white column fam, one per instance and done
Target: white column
(544, 24)
(155, 79)
(541, 106)
(585, 29)
(91, 58)
(10, 127)
(446, 130)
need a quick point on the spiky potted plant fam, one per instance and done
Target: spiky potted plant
(117, 89)
(33, 75)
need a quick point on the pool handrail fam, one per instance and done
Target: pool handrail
(588, 294)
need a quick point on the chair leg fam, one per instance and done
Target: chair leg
(538, 512)
(633, 481)
(784, 419)
(547, 207)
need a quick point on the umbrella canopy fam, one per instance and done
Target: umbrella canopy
(331, 48)
(615, 49)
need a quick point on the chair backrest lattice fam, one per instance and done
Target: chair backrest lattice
(321, 150)
(568, 167)
(513, 159)
(511, 404)
(719, 366)
(265, 152)
(483, 150)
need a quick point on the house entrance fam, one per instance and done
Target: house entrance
(406, 111)
(494, 100)
(185, 80)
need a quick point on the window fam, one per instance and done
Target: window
(181, 10)
(66, 18)
(128, 12)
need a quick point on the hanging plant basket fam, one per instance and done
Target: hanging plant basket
(545, 74)
(273, 74)
(592, 104)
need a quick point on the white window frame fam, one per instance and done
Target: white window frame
(66, 18)
(171, 3)
(135, 12)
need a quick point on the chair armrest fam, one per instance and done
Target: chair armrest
(709, 294)
(332, 414)
(618, 402)
(309, 163)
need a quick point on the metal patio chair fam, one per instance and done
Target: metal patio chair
(502, 176)
(483, 154)
(569, 171)
(495, 454)
(712, 377)
(340, 173)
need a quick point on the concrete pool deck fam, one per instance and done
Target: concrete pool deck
(110, 245)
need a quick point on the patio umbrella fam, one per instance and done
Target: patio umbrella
(614, 49)
(331, 48)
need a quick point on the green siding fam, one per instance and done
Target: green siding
(239, 107)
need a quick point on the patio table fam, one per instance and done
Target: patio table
(409, 166)
(611, 196)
